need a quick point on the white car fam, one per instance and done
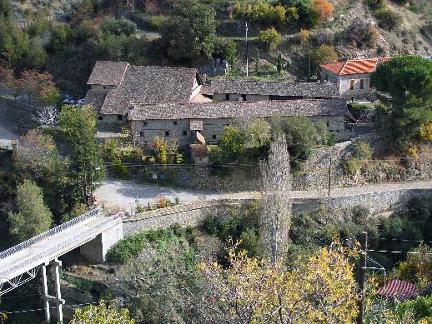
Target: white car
(81, 102)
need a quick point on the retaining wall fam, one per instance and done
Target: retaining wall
(194, 214)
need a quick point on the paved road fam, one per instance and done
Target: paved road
(123, 194)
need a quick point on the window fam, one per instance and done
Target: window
(104, 87)
(362, 84)
(141, 134)
(145, 123)
(214, 136)
(243, 97)
(326, 78)
(175, 122)
(227, 96)
(100, 118)
(184, 133)
(119, 117)
(352, 84)
(167, 133)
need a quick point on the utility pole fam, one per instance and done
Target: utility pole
(329, 177)
(247, 51)
(362, 277)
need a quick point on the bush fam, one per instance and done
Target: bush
(270, 38)
(242, 224)
(261, 12)
(420, 307)
(157, 22)
(302, 135)
(132, 246)
(362, 34)
(375, 4)
(225, 49)
(399, 227)
(322, 55)
(387, 19)
(362, 150)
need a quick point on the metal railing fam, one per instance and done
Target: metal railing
(53, 231)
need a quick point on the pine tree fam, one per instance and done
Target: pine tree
(32, 217)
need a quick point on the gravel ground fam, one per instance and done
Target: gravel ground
(122, 195)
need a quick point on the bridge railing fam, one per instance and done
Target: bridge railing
(53, 231)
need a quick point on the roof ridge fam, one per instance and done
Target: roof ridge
(343, 67)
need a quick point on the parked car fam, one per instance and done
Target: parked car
(81, 102)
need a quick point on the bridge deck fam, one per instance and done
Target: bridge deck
(52, 246)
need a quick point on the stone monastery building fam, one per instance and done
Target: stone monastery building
(174, 103)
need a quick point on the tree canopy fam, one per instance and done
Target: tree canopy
(191, 33)
(32, 216)
(406, 114)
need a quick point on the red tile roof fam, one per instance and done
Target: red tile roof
(354, 66)
(398, 289)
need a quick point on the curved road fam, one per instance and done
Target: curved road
(122, 195)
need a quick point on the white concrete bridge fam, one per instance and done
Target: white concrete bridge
(92, 232)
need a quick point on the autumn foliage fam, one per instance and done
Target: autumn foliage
(320, 289)
(323, 9)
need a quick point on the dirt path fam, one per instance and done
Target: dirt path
(123, 195)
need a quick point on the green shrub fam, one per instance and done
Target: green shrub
(400, 227)
(362, 150)
(270, 38)
(360, 111)
(242, 224)
(375, 4)
(132, 246)
(387, 19)
(420, 307)
(157, 22)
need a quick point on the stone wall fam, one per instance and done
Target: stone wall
(194, 214)
(186, 215)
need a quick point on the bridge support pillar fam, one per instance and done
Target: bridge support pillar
(96, 249)
(47, 297)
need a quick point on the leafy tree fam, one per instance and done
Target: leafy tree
(417, 267)
(191, 33)
(231, 143)
(102, 314)
(39, 85)
(270, 38)
(78, 127)
(118, 27)
(36, 155)
(32, 217)
(320, 289)
(302, 135)
(261, 12)
(61, 36)
(322, 9)
(225, 49)
(322, 55)
(5, 8)
(161, 149)
(257, 134)
(37, 57)
(407, 80)
(164, 281)
(14, 43)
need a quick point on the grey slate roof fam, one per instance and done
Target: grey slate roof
(288, 89)
(95, 98)
(232, 109)
(150, 85)
(108, 73)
